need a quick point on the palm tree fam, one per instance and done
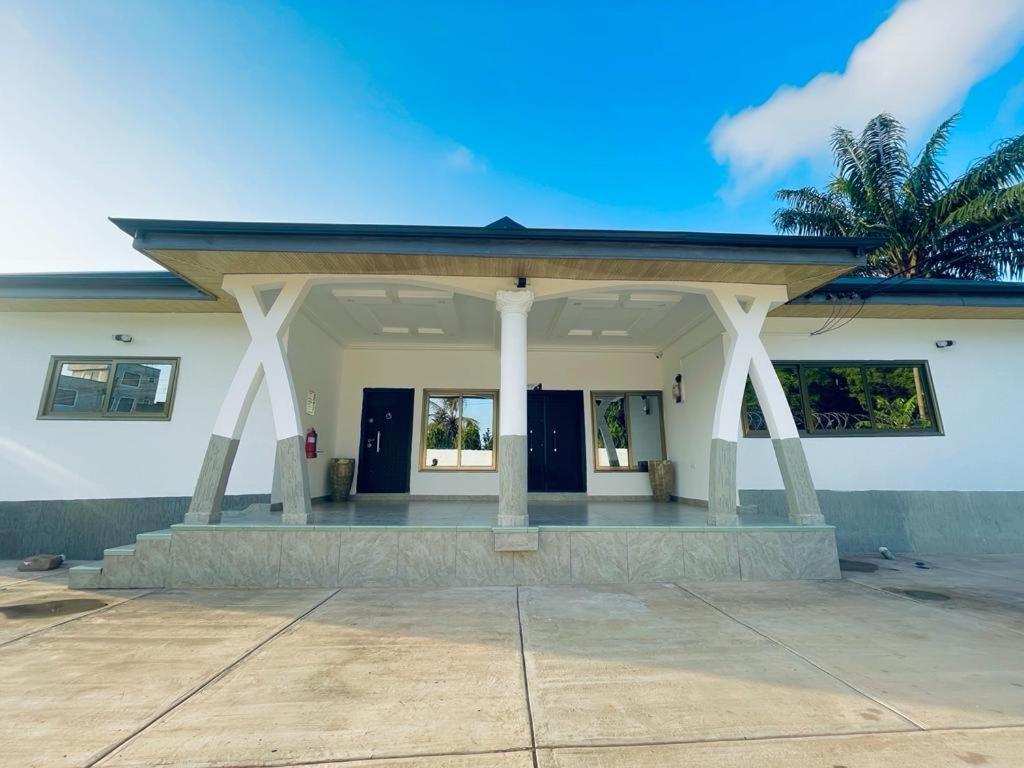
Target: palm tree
(971, 227)
(447, 425)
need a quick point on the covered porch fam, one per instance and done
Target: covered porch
(505, 318)
(533, 404)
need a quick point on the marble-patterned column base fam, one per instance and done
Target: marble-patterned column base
(205, 506)
(512, 508)
(801, 497)
(291, 461)
(722, 485)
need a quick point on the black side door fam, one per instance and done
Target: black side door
(385, 441)
(555, 441)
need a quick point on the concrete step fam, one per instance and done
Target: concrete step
(85, 576)
(125, 550)
(154, 535)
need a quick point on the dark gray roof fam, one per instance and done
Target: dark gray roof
(919, 290)
(505, 223)
(252, 232)
(99, 285)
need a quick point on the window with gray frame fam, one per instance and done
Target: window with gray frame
(851, 398)
(109, 388)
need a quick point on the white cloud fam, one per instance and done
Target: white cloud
(463, 159)
(918, 65)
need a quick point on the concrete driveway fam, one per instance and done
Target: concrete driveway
(898, 666)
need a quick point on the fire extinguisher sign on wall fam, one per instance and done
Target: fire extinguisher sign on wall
(311, 444)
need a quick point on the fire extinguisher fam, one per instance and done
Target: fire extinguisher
(311, 444)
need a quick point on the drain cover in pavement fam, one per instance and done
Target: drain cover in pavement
(50, 608)
(920, 594)
(857, 565)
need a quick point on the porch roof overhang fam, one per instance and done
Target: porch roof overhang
(201, 253)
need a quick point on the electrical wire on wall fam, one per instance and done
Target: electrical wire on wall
(846, 307)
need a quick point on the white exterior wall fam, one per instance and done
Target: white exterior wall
(977, 387)
(699, 357)
(71, 459)
(478, 369)
(976, 382)
(315, 362)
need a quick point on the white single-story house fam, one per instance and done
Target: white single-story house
(506, 394)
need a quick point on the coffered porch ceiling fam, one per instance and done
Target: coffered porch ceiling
(397, 313)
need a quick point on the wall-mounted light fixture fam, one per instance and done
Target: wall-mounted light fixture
(944, 343)
(678, 391)
(125, 338)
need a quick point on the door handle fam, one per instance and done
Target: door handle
(378, 441)
(554, 439)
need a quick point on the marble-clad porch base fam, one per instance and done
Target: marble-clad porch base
(801, 497)
(722, 483)
(333, 556)
(206, 502)
(291, 463)
(512, 500)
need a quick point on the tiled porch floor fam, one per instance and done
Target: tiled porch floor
(484, 513)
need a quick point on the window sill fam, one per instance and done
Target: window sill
(457, 469)
(98, 417)
(866, 433)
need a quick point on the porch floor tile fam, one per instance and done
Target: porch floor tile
(484, 514)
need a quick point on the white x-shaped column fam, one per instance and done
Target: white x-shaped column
(265, 359)
(745, 354)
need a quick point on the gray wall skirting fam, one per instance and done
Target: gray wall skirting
(547, 498)
(924, 522)
(692, 502)
(83, 528)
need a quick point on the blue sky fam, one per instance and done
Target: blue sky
(642, 115)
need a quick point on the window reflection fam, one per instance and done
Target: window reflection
(120, 388)
(885, 398)
(459, 431)
(140, 388)
(81, 387)
(628, 429)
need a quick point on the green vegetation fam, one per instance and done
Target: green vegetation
(447, 425)
(970, 227)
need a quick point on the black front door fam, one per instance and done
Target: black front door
(554, 425)
(385, 441)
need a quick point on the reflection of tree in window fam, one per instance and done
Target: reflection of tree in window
(879, 397)
(462, 424)
(899, 398)
(443, 429)
(836, 398)
(789, 377)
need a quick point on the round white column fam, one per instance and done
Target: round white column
(512, 454)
